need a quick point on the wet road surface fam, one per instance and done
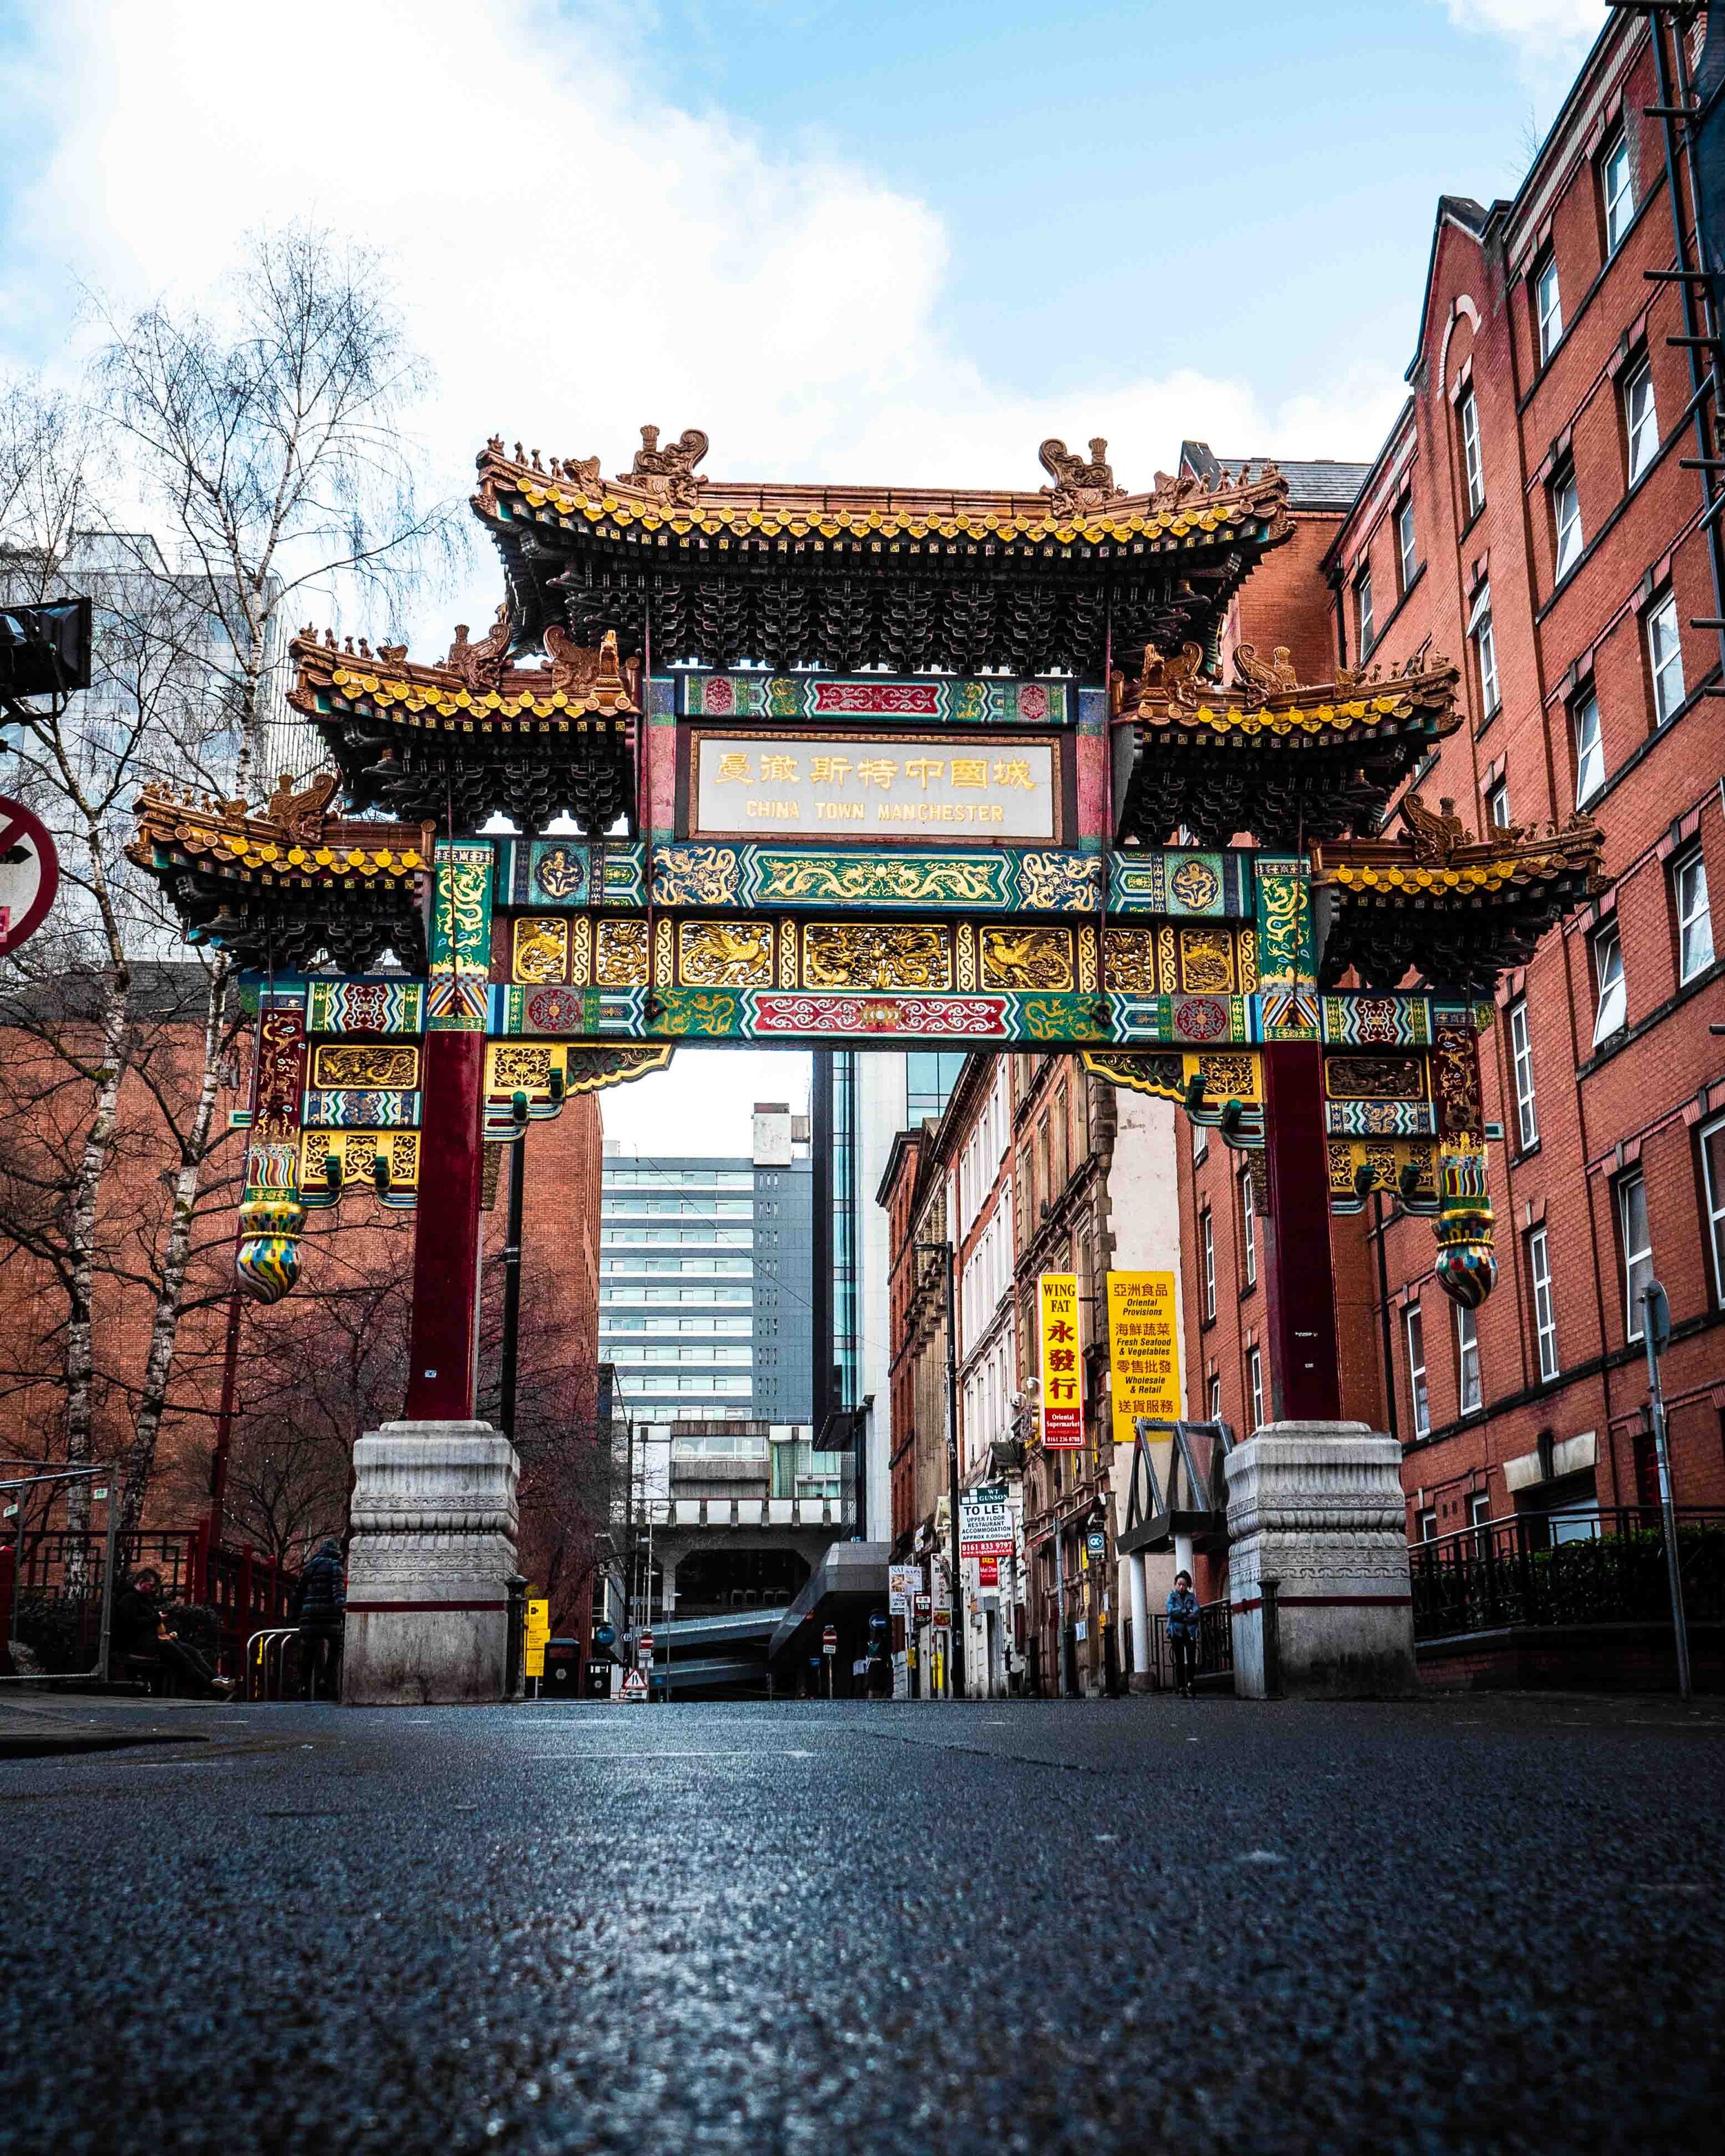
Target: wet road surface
(1490, 1924)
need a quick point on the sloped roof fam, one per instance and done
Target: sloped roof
(1323, 483)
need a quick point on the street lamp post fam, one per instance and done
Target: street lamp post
(945, 1252)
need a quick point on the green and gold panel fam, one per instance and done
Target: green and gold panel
(357, 1151)
(1386, 1158)
(877, 955)
(1228, 1075)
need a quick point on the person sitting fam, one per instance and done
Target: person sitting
(140, 1633)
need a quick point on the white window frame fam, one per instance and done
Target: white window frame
(1521, 1064)
(1637, 1257)
(1610, 988)
(1467, 420)
(1418, 1391)
(1407, 542)
(1362, 609)
(1566, 524)
(1695, 918)
(1206, 1260)
(1641, 417)
(1545, 1308)
(1549, 307)
(1497, 803)
(1476, 1500)
(1664, 658)
(1469, 1386)
(1713, 1193)
(1425, 1525)
(1589, 746)
(1215, 1398)
(1200, 1141)
(1255, 1386)
(1484, 639)
(1617, 186)
(1248, 1225)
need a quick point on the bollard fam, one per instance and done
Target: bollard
(1272, 1639)
(515, 1661)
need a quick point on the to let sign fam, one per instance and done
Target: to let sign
(1143, 1349)
(1062, 1368)
(985, 1525)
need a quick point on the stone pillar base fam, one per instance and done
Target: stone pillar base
(1316, 1508)
(434, 1524)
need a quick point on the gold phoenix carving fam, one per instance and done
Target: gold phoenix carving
(1027, 957)
(542, 951)
(717, 954)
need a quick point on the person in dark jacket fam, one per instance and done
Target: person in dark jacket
(1183, 1634)
(139, 1631)
(322, 1618)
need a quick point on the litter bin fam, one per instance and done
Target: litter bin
(563, 1669)
(599, 1677)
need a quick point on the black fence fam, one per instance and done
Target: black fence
(1215, 1649)
(1583, 1568)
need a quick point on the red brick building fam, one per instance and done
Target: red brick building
(1533, 514)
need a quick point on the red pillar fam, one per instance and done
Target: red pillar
(444, 1350)
(1305, 1369)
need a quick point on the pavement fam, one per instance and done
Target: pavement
(1460, 1924)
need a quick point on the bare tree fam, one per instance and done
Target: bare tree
(265, 437)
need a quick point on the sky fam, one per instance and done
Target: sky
(862, 240)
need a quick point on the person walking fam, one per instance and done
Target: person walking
(1183, 1634)
(323, 1618)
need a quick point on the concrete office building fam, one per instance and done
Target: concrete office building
(704, 1303)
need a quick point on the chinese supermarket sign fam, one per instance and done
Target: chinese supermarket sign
(862, 786)
(1144, 1350)
(1062, 1369)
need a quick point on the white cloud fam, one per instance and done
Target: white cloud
(576, 255)
(1549, 35)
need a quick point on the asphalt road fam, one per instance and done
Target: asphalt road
(1144, 1925)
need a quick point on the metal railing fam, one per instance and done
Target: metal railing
(1215, 1646)
(52, 1579)
(1604, 1567)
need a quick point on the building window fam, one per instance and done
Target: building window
(1637, 1251)
(1566, 522)
(1207, 1250)
(1611, 998)
(1665, 656)
(1712, 1171)
(1485, 650)
(1545, 1315)
(1414, 1331)
(1248, 1225)
(1363, 609)
(1216, 1403)
(1497, 805)
(1521, 1056)
(1589, 747)
(1548, 306)
(1479, 1508)
(1467, 421)
(1641, 418)
(1200, 1141)
(1255, 1386)
(1407, 550)
(1695, 920)
(1617, 183)
(1425, 1525)
(1468, 1393)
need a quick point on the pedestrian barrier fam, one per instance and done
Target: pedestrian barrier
(272, 1643)
(1215, 1650)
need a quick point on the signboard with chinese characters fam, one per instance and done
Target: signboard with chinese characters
(874, 785)
(1143, 1349)
(1062, 1370)
(904, 1583)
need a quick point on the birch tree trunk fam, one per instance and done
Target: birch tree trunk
(175, 1256)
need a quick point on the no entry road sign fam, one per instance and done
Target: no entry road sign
(830, 1640)
(29, 874)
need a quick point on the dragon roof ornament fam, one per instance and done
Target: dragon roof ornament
(662, 486)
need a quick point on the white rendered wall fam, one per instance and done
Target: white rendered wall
(880, 1112)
